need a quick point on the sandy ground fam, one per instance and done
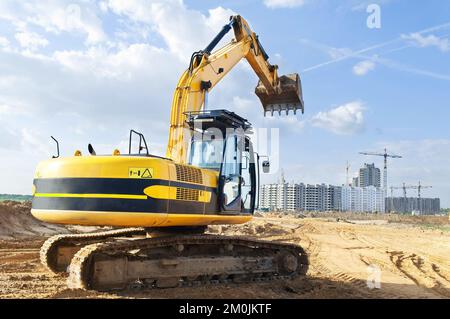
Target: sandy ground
(412, 262)
(17, 222)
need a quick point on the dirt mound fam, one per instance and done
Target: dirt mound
(16, 221)
(254, 229)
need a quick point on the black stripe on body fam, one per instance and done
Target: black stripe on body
(106, 185)
(117, 186)
(118, 205)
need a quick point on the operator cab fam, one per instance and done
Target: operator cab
(220, 142)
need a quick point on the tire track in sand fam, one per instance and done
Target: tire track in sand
(316, 249)
(417, 269)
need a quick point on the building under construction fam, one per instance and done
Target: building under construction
(424, 206)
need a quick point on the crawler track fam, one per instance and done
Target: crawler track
(51, 250)
(158, 262)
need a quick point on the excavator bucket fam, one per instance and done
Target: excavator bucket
(289, 98)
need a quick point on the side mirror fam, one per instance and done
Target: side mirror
(91, 150)
(266, 166)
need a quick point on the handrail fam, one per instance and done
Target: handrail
(57, 147)
(141, 139)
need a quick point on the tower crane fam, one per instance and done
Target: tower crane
(347, 168)
(385, 155)
(419, 188)
(392, 193)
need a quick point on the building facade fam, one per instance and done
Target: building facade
(426, 206)
(369, 175)
(321, 197)
(362, 199)
(299, 197)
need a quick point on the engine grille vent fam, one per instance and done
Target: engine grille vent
(187, 194)
(189, 174)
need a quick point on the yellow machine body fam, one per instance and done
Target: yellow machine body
(127, 191)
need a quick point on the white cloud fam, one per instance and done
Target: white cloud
(31, 40)
(345, 119)
(8, 110)
(198, 28)
(5, 109)
(104, 81)
(284, 3)
(123, 65)
(218, 17)
(97, 83)
(290, 122)
(31, 140)
(242, 104)
(339, 53)
(363, 67)
(428, 41)
(55, 16)
(4, 42)
(358, 5)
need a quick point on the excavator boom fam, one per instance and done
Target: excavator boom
(207, 68)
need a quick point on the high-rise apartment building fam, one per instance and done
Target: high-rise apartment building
(321, 197)
(424, 206)
(369, 175)
(363, 199)
(300, 197)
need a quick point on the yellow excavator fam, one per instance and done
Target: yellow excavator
(161, 206)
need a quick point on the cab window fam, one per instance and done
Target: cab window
(231, 171)
(206, 153)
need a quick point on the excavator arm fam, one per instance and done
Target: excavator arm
(207, 68)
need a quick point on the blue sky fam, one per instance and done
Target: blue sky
(88, 71)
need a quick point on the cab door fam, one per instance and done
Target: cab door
(248, 178)
(230, 177)
(237, 181)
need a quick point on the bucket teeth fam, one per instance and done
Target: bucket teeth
(289, 96)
